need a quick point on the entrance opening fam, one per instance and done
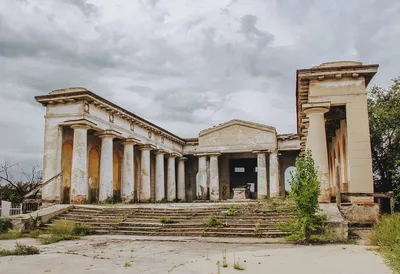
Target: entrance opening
(243, 172)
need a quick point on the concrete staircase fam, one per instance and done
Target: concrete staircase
(237, 220)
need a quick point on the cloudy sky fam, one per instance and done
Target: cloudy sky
(182, 64)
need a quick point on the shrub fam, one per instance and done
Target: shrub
(387, 237)
(82, 230)
(5, 225)
(213, 222)
(20, 250)
(304, 192)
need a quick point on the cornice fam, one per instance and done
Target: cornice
(80, 94)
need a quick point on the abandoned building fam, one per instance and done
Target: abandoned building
(106, 151)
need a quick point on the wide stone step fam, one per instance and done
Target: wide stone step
(197, 224)
(208, 233)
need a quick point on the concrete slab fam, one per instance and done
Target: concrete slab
(124, 254)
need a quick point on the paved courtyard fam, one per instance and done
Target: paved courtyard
(124, 254)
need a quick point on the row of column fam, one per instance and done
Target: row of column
(262, 179)
(79, 175)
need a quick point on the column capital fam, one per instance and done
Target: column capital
(82, 126)
(320, 107)
(173, 155)
(79, 123)
(161, 151)
(131, 141)
(183, 159)
(148, 147)
(107, 133)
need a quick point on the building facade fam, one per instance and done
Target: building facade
(105, 151)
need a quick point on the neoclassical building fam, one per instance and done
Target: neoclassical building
(104, 150)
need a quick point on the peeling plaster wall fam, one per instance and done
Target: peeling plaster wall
(350, 92)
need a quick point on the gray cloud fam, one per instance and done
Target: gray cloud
(185, 66)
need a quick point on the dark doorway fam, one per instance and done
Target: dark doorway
(242, 172)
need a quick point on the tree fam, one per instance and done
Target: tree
(304, 192)
(14, 191)
(384, 114)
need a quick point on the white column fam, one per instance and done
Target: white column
(214, 177)
(106, 166)
(128, 170)
(316, 142)
(51, 162)
(79, 174)
(171, 181)
(160, 178)
(202, 188)
(58, 182)
(181, 179)
(274, 174)
(145, 187)
(262, 182)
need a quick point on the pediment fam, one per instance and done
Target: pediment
(238, 133)
(241, 123)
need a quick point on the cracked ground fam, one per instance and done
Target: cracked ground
(127, 254)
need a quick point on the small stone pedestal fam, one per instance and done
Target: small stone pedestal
(241, 193)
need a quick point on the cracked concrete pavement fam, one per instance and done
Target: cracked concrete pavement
(131, 254)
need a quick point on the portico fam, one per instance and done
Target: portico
(107, 153)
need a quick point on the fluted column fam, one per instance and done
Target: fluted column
(262, 181)
(181, 179)
(106, 166)
(128, 170)
(145, 187)
(202, 188)
(171, 178)
(160, 177)
(79, 173)
(274, 174)
(214, 177)
(316, 142)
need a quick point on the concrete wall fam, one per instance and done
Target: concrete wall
(351, 92)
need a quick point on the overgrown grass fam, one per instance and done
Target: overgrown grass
(387, 237)
(212, 222)
(10, 235)
(237, 265)
(20, 250)
(167, 220)
(232, 211)
(63, 230)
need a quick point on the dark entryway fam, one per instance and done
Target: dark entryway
(242, 172)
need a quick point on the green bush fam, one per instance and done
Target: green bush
(387, 236)
(213, 222)
(20, 250)
(5, 225)
(82, 230)
(304, 192)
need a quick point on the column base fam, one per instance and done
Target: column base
(325, 196)
(78, 200)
